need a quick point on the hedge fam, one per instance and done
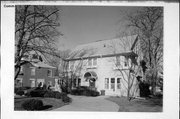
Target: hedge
(32, 104)
(84, 91)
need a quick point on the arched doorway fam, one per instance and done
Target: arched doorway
(91, 77)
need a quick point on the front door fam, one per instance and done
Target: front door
(92, 83)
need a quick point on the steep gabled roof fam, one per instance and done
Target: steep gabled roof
(104, 47)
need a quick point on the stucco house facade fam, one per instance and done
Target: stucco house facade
(108, 65)
(34, 72)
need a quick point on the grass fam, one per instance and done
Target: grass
(138, 105)
(49, 103)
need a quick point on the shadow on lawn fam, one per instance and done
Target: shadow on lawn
(45, 107)
(138, 105)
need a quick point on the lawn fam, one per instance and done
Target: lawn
(138, 105)
(49, 103)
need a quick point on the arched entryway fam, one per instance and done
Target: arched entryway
(91, 76)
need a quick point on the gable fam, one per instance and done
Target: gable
(104, 47)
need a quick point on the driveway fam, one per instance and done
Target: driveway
(83, 103)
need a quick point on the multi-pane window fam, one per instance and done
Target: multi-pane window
(33, 71)
(49, 72)
(106, 83)
(117, 60)
(92, 62)
(118, 83)
(112, 83)
(89, 62)
(125, 61)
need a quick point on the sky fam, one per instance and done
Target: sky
(85, 24)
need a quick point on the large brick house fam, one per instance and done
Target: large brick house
(106, 65)
(34, 72)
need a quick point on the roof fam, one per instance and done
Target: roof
(41, 64)
(104, 47)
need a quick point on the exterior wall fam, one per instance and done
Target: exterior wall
(40, 73)
(105, 68)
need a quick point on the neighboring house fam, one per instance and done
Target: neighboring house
(34, 72)
(99, 65)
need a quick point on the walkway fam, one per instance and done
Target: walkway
(83, 103)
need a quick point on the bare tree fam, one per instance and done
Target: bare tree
(148, 23)
(70, 68)
(127, 64)
(35, 30)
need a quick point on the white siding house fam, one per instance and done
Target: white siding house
(106, 65)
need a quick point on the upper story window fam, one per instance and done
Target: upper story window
(117, 60)
(71, 65)
(125, 61)
(33, 71)
(49, 72)
(92, 62)
(21, 69)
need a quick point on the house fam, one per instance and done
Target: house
(35, 72)
(106, 65)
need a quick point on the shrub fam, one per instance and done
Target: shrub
(38, 93)
(20, 88)
(58, 95)
(85, 92)
(55, 94)
(49, 94)
(32, 104)
(20, 92)
(66, 99)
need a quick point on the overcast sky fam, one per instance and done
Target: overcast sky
(84, 24)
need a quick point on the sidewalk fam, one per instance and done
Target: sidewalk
(83, 103)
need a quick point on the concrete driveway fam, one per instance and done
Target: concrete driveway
(83, 103)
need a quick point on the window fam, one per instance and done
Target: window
(112, 83)
(125, 61)
(71, 65)
(33, 71)
(49, 73)
(117, 60)
(89, 62)
(21, 70)
(106, 83)
(94, 61)
(118, 83)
